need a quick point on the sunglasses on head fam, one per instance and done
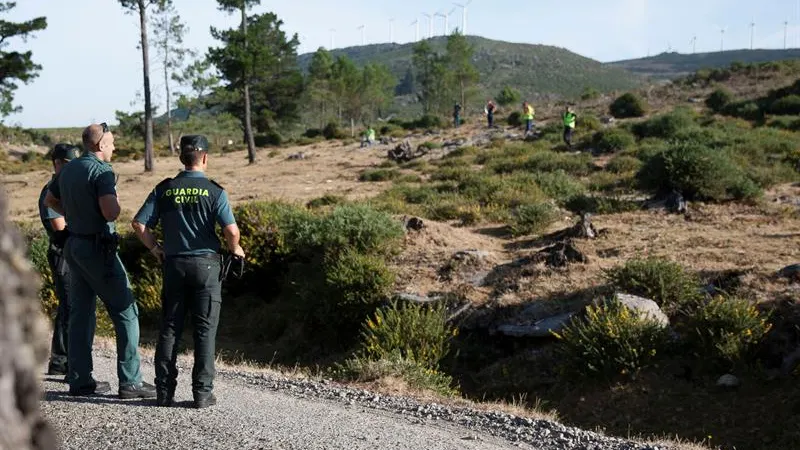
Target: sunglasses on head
(105, 130)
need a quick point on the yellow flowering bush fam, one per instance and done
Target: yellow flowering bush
(610, 341)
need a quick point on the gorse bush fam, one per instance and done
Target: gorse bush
(624, 164)
(514, 119)
(418, 333)
(719, 99)
(789, 105)
(558, 185)
(416, 376)
(726, 331)
(610, 342)
(378, 175)
(665, 282)
(588, 122)
(697, 171)
(613, 139)
(628, 105)
(532, 219)
(665, 126)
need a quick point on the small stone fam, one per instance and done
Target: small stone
(728, 381)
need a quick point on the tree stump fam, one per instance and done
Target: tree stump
(560, 254)
(23, 346)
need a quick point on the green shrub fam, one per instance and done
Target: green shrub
(374, 175)
(624, 164)
(748, 110)
(508, 96)
(588, 122)
(418, 377)
(613, 139)
(789, 105)
(726, 331)
(719, 99)
(590, 93)
(37, 254)
(325, 200)
(355, 284)
(514, 119)
(665, 126)
(452, 174)
(548, 161)
(312, 133)
(665, 282)
(697, 171)
(332, 131)
(611, 341)
(418, 333)
(271, 138)
(532, 218)
(426, 122)
(628, 105)
(789, 123)
(558, 185)
(357, 227)
(601, 205)
(430, 145)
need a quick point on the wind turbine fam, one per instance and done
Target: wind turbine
(416, 34)
(391, 31)
(363, 35)
(752, 32)
(333, 33)
(785, 32)
(693, 41)
(722, 39)
(463, 16)
(446, 26)
(430, 24)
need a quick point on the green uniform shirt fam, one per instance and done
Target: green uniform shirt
(188, 207)
(46, 214)
(79, 185)
(569, 120)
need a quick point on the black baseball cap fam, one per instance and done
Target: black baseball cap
(65, 152)
(194, 143)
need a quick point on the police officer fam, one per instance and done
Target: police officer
(188, 207)
(85, 193)
(56, 228)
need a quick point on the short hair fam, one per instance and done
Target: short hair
(91, 136)
(192, 158)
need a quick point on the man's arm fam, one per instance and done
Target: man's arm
(145, 220)
(58, 224)
(232, 236)
(53, 203)
(107, 199)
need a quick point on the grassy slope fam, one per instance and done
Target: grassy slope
(673, 65)
(533, 69)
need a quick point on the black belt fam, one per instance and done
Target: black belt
(84, 236)
(212, 256)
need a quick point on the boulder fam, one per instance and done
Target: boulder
(728, 381)
(792, 272)
(645, 307)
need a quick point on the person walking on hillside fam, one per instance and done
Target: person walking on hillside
(368, 138)
(85, 193)
(56, 228)
(527, 115)
(490, 110)
(189, 207)
(457, 115)
(570, 119)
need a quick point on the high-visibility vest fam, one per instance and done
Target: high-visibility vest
(371, 134)
(529, 112)
(569, 120)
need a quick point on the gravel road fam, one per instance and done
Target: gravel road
(268, 411)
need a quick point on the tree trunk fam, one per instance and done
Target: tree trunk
(169, 106)
(248, 127)
(148, 107)
(463, 100)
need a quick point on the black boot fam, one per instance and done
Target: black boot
(204, 400)
(141, 390)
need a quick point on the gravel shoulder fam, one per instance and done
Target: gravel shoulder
(269, 411)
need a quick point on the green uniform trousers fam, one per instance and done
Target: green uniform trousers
(94, 275)
(192, 286)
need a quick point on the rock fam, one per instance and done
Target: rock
(297, 156)
(460, 142)
(695, 100)
(541, 328)
(608, 120)
(560, 254)
(584, 228)
(645, 307)
(23, 346)
(413, 223)
(675, 202)
(474, 255)
(792, 272)
(728, 381)
(414, 298)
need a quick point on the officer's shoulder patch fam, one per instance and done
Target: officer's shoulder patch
(163, 182)
(216, 184)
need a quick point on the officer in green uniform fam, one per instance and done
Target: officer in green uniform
(56, 228)
(85, 192)
(189, 207)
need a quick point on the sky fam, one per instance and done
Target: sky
(91, 66)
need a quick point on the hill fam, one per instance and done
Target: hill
(536, 70)
(674, 65)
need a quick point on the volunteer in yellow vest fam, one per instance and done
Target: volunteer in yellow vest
(527, 115)
(570, 119)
